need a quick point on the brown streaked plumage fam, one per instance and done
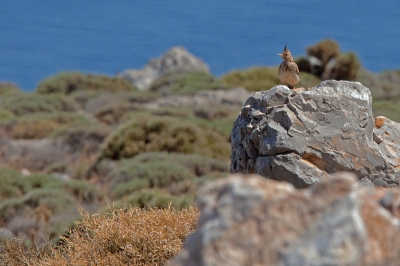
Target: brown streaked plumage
(288, 70)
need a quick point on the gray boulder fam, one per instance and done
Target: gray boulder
(250, 220)
(304, 137)
(176, 59)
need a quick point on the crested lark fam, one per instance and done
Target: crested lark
(288, 70)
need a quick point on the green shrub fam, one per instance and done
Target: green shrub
(253, 79)
(27, 103)
(186, 83)
(134, 175)
(164, 134)
(68, 82)
(160, 177)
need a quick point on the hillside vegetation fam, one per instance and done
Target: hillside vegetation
(81, 143)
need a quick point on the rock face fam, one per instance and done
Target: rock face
(177, 59)
(304, 137)
(250, 220)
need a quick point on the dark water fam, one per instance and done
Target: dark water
(41, 38)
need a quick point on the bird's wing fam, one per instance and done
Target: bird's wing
(297, 69)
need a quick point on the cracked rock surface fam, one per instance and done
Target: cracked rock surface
(303, 137)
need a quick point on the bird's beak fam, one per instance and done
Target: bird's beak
(280, 55)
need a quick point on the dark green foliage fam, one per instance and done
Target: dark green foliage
(26, 103)
(69, 82)
(253, 79)
(186, 83)
(164, 134)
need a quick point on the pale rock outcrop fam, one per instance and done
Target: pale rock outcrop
(305, 136)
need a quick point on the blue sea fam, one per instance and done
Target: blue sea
(42, 38)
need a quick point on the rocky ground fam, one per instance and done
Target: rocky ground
(153, 136)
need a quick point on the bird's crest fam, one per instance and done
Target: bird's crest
(285, 48)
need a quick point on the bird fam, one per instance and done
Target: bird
(288, 70)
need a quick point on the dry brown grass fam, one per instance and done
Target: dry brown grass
(127, 236)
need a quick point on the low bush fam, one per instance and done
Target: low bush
(253, 79)
(69, 82)
(164, 134)
(156, 178)
(186, 83)
(134, 175)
